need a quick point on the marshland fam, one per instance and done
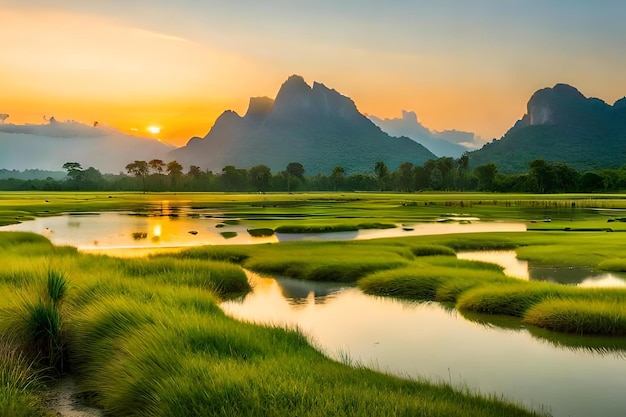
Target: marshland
(173, 330)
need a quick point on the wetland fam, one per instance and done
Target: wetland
(395, 283)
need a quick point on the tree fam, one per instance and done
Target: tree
(140, 170)
(294, 169)
(157, 165)
(174, 171)
(337, 177)
(195, 172)
(446, 166)
(406, 177)
(74, 170)
(260, 177)
(542, 174)
(486, 174)
(233, 179)
(382, 172)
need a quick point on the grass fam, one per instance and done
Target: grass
(261, 232)
(146, 337)
(20, 384)
(35, 324)
(579, 316)
(427, 281)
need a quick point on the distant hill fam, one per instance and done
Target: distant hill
(315, 126)
(31, 174)
(451, 143)
(49, 146)
(561, 125)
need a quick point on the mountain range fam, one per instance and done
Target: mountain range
(451, 143)
(561, 125)
(321, 129)
(313, 125)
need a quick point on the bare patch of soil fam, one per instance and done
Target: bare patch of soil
(64, 400)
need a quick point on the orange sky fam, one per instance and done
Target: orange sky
(179, 66)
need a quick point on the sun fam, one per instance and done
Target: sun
(154, 129)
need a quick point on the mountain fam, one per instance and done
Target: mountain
(451, 143)
(561, 125)
(49, 146)
(31, 174)
(315, 126)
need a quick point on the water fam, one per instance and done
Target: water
(535, 368)
(127, 233)
(579, 276)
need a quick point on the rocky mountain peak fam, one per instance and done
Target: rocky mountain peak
(258, 108)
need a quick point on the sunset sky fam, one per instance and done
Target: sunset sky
(459, 64)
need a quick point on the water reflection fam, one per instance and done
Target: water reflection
(299, 292)
(579, 276)
(427, 340)
(165, 226)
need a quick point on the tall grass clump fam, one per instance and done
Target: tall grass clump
(57, 286)
(19, 384)
(579, 316)
(36, 324)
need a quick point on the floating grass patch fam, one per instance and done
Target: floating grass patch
(261, 232)
(228, 235)
(579, 316)
(302, 228)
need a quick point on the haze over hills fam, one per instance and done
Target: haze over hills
(561, 125)
(315, 126)
(49, 146)
(451, 143)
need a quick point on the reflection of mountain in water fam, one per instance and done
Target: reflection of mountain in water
(576, 276)
(298, 292)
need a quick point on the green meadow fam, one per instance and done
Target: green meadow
(146, 336)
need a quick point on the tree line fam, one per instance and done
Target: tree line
(442, 174)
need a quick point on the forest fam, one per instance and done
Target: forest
(442, 174)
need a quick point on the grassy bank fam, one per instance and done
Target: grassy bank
(146, 337)
(424, 269)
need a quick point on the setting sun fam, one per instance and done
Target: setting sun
(154, 129)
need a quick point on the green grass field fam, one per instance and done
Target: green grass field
(146, 336)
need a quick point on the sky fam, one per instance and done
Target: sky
(467, 65)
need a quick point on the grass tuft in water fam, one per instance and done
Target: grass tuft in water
(579, 316)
